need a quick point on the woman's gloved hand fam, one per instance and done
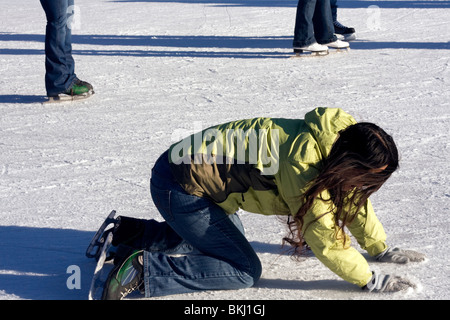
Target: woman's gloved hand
(387, 283)
(397, 255)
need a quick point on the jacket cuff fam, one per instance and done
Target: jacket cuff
(376, 248)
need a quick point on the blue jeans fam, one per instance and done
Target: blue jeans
(59, 63)
(313, 23)
(334, 7)
(215, 253)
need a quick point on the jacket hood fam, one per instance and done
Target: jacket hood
(325, 124)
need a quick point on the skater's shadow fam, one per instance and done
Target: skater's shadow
(292, 4)
(257, 47)
(165, 45)
(21, 99)
(39, 263)
(375, 45)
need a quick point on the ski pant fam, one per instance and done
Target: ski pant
(198, 247)
(59, 63)
(313, 23)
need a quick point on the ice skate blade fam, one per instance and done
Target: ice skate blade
(299, 53)
(68, 98)
(98, 279)
(339, 50)
(94, 248)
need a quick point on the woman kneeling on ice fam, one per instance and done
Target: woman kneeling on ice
(318, 171)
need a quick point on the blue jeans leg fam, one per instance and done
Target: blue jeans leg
(59, 63)
(222, 258)
(334, 7)
(160, 237)
(323, 22)
(313, 23)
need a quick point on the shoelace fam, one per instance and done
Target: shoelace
(128, 291)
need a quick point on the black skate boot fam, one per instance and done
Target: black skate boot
(127, 233)
(347, 33)
(94, 248)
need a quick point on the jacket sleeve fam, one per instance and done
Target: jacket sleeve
(368, 230)
(321, 234)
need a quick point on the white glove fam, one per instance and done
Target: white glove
(398, 255)
(387, 283)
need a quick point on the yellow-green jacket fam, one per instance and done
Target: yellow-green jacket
(263, 165)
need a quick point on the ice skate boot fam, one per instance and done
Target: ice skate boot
(347, 33)
(125, 278)
(85, 84)
(312, 49)
(128, 234)
(339, 45)
(79, 90)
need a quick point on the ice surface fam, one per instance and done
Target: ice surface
(167, 67)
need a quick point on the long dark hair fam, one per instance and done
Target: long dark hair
(360, 161)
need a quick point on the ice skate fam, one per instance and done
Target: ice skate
(127, 233)
(97, 242)
(125, 278)
(346, 33)
(339, 45)
(99, 278)
(80, 90)
(313, 49)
